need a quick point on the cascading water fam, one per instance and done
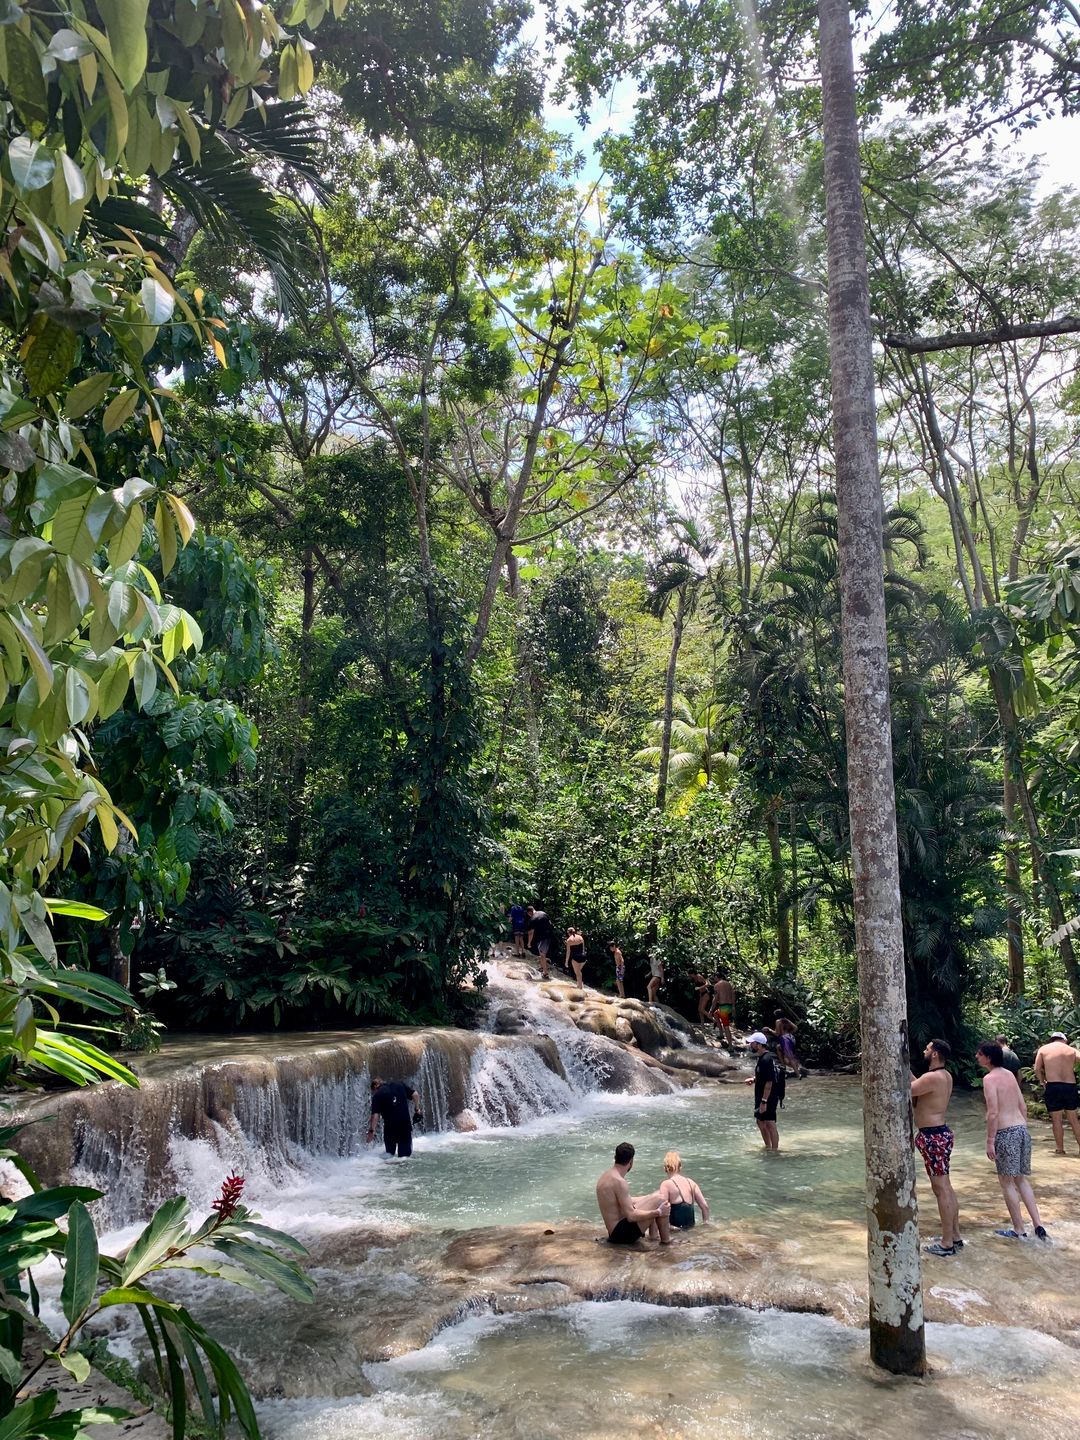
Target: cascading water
(271, 1108)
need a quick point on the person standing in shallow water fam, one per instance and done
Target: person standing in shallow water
(399, 1107)
(627, 1219)
(1055, 1069)
(766, 1081)
(930, 1094)
(575, 954)
(620, 968)
(1008, 1142)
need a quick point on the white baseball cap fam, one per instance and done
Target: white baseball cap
(758, 1039)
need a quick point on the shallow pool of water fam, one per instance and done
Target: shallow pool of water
(601, 1371)
(548, 1169)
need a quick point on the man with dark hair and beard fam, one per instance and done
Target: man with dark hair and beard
(930, 1094)
(628, 1219)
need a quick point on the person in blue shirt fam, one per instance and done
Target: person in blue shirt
(517, 927)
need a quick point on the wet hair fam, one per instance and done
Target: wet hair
(624, 1153)
(1001, 1040)
(942, 1049)
(992, 1051)
(672, 1161)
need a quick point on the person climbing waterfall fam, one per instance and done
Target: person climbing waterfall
(539, 939)
(517, 929)
(399, 1107)
(620, 968)
(682, 1194)
(656, 978)
(930, 1094)
(575, 954)
(724, 1008)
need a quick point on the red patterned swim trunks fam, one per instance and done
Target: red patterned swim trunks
(935, 1145)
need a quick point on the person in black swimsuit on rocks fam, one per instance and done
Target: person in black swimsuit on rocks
(682, 1193)
(575, 954)
(628, 1219)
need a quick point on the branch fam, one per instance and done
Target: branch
(959, 339)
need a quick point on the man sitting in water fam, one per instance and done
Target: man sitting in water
(1055, 1068)
(931, 1094)
(627, 1219)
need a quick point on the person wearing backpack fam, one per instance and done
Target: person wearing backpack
(769, 1087)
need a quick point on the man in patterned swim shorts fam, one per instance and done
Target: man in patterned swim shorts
(930, 1094)
(1008, 1142)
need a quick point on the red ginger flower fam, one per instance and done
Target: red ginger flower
(229, 1199)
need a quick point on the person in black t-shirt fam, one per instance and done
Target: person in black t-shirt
(1009, 1057)
(399, 1107)
(541, 931)
(766, 1083)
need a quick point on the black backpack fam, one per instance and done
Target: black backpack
(779, 1082)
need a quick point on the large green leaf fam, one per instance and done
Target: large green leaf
(80, 1264)
(125, 25)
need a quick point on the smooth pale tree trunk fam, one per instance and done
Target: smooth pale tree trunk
(897, 1340)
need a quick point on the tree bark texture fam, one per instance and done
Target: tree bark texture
(897, 1341)
(776, 880)
(1013, 931)
(669, 697)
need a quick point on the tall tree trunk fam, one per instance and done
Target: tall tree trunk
(1013, 932)
(897, 1339)
(298, 779)
(794, 898)
(669, 698)
(1040, 871)
(119, 963)
(529, 681)
(776, 881)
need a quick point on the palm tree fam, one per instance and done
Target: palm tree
(698, 754)
(678, 582)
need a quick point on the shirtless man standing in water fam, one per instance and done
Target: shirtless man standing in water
(627, 1218)
(930, 1094)
(1008, 1142)
(1055, 1068)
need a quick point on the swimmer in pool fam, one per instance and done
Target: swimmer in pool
(626, 1218)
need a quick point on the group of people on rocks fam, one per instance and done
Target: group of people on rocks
(1008, 1139)
(534, 934)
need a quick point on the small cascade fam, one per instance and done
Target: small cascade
(433, 1086)
(512, 1084)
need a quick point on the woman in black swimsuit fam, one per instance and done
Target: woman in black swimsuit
(682, 1194)
(575, 953)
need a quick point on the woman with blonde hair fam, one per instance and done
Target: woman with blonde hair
(682, 1194)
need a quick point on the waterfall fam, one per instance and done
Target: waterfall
(272, 1107)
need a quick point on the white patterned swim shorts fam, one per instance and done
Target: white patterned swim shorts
(1012, 1150)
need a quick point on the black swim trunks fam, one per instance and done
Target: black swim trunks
(625, 1233)
(1061, 1095)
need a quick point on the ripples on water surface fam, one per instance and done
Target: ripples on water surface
(600, 1371)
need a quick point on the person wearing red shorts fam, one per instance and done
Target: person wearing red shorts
(930, 1094)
